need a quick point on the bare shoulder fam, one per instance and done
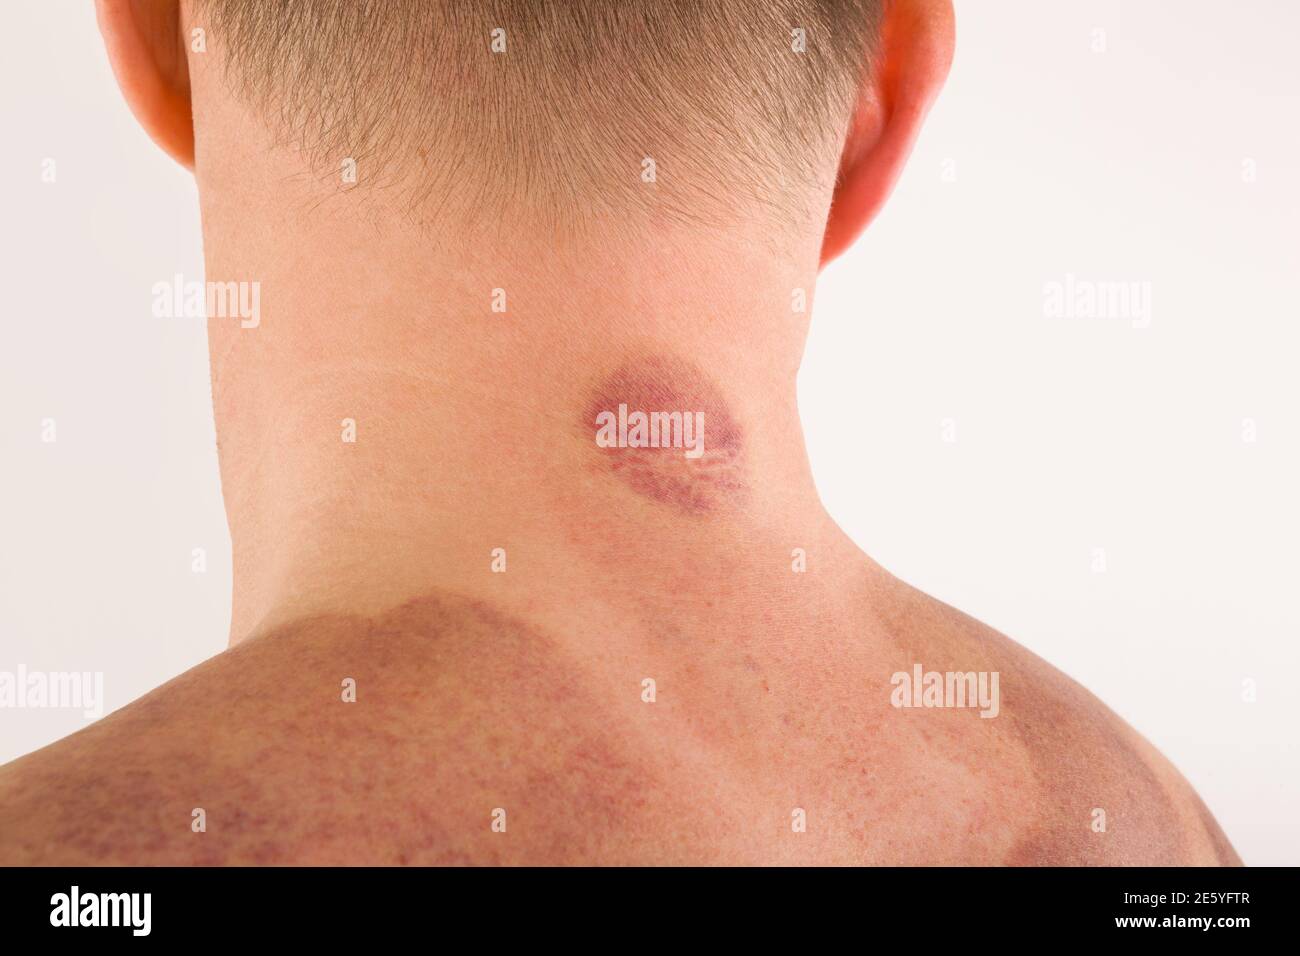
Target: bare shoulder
(136, 787)
(377, 740)
(302, 746)
(1083, 788)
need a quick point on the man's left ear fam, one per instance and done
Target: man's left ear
(147, 51)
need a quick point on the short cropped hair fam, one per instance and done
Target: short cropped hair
(575, 109)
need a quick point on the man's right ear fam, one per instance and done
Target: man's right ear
(911, 62)
(147, 50)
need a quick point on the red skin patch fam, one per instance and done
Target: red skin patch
(664, 384)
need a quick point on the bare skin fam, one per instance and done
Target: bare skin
(522, 691)
(519, 687)
(462, 710)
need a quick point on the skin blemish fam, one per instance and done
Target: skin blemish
(659, 425)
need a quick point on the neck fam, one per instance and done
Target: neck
(400, 412)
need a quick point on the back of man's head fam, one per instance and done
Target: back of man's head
(564, 110)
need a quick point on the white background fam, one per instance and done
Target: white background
(1042, 159)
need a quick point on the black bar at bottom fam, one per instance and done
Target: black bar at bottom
(632, 908)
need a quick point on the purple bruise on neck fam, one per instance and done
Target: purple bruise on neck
(667, 384)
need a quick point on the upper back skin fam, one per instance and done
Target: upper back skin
(477, 738)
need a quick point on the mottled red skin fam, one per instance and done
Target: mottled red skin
(694, 486)
(463, 707)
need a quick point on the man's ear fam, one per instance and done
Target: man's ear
(147, 50)
(912, 59)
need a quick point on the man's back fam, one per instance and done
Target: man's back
(478, 738)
